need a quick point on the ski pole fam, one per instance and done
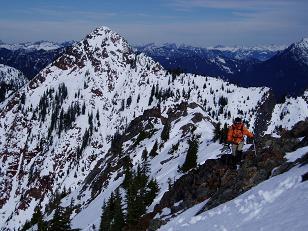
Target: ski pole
(254, 146)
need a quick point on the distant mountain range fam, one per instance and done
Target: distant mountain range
(262, 52)
(31, 58)
(39, 45)
(286, 72)
(284, 69)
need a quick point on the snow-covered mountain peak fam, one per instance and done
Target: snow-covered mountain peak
(299, 51)
(105, 37)
(102, 49)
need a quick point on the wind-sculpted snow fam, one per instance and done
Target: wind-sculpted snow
(98, 87)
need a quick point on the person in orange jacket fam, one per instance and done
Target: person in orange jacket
(236, 134)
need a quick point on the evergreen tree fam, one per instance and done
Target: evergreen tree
(23, 98)
(128, 172)
(138, 98)
(141, 178)
(170, 183)
(60, 220)
(145, 162)
(223, 101)
(223, 134)
(97, 115)
(83, 109)
(153, 189)
(105, 218)
(153, 152)
(166, 132)
(61, 125)
(38, 219)
(152, 95)
(156, 91)
(191, 157)
(116, 143)
(128, 101)
(217, 132)
(132, 213)
(118, 215)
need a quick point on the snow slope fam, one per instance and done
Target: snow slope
(279, 203)
(12, 76)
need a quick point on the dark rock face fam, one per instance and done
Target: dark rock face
(305, 177)
(264, 114)
(220, 180)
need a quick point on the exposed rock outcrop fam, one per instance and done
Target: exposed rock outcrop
(220, 180)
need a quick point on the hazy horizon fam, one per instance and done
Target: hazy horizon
(200, 23)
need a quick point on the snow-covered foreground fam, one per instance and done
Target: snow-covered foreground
(279, 203)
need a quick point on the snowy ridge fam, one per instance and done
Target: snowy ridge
(287, 114)
(249, 48)
(276, 204)
(103, 73)
(40, 45)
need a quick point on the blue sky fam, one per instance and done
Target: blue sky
(194, 22)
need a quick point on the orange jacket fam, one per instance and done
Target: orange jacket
(237, 132)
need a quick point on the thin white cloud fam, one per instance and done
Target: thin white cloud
(231, 4)
(63, 13)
